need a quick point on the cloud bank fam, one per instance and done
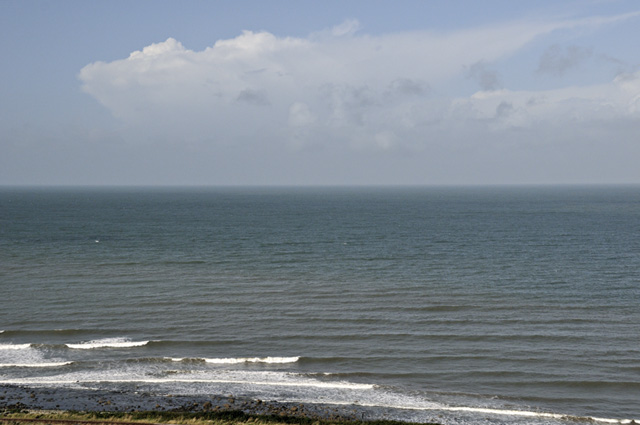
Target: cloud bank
(342, 91)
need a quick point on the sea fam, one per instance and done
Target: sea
(464, 305)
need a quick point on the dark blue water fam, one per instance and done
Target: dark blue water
(461, 304)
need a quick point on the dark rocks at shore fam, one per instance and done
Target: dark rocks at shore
(24, 398)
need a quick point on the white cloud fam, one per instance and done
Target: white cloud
(606, 102)
(344, 89)
(348, 27)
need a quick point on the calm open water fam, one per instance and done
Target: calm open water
(468, 305)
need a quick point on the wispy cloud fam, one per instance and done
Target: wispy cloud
(487, 79)
(557, 60)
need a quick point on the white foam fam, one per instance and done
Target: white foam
(50, 364)
(500, 412)
(526, 413)
(338, 385)
(270, 382)
(107, 343)
(367, 395)
(253, 360)
(185, 359)
(236, 360)
(14, 346)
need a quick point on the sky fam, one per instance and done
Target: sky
(214, 93)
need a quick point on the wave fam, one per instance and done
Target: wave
(87, 345)
(318, 384)
(46, 337)
(278, 360)
(210, 344)
(14, 346)
(493, 411)
(50, 364)
(375, 403)
(57, 332)
(236, 360)
(368, 395)
(360, 374)
(107, 343)
(522, 413)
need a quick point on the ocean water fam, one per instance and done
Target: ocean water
(465, 304)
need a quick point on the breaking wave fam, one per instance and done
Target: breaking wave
(107, 343)
(279, 360)
(14, 346)
(48, 364)
(237, 360)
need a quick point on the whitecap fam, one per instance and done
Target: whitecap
(185, 359)
(49, 364)
(14, 346)
(107, 343)
(236, 360)
(147, 380)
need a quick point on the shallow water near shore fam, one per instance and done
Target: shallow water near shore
(493, 305)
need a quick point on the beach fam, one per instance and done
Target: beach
(17, 398)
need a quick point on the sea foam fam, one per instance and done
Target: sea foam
(236, 360)
(14, 346)
(253, 360)
(48, 364)
(107, 343)
(299, 384)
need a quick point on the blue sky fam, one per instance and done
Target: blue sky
(299, 92)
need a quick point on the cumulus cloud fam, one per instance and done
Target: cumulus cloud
(349, 90)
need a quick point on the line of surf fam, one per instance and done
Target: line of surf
(49, 364)
(87, 345)
(336, 385)
(240, 360)
(55, 332)
(494, 411)
(14, 346)
(107, 343)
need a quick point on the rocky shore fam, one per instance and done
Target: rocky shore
(24, 398)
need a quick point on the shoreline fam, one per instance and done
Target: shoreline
(44, 399)
(56, 400)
